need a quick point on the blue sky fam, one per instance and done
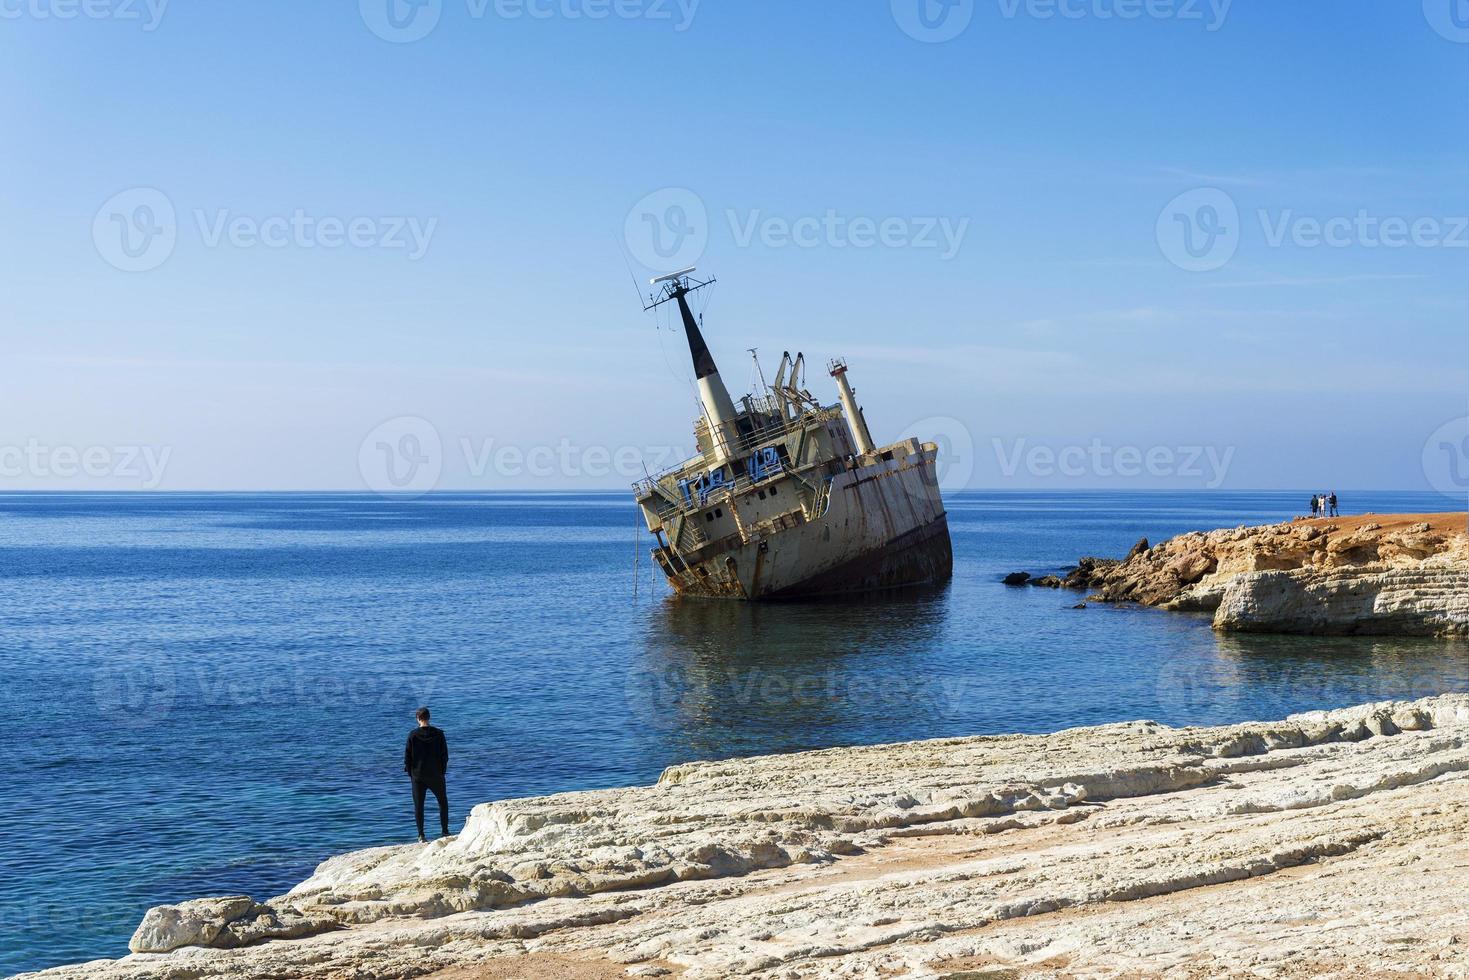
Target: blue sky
(994, 230)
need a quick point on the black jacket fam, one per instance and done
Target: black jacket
(426, 756)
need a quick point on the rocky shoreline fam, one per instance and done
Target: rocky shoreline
(1327, 843)
(1384, 575)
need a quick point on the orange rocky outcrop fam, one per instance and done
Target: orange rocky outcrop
(1400, 574)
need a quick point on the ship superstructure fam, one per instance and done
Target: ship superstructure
(789, 498)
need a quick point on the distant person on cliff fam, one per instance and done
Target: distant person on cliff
(1331, 501)
(1315, 505)
(426, 759)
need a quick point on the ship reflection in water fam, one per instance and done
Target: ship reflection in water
(728, 679)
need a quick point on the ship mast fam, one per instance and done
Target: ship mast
(719, 410)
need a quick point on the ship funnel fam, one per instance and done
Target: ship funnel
(719, 410)
(855, 420)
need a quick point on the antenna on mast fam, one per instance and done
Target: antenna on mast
(675, 285)
(719, 410)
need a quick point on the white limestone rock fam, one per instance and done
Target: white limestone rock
(197, 923)
(1079, 853)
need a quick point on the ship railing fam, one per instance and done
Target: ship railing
(649, 485)
(669, 508)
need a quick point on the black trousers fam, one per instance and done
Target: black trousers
(420, 789)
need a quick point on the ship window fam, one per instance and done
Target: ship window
(772, 491)
(762, 494)
(718, 512)
(709, 518)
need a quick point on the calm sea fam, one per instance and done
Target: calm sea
(208, 693)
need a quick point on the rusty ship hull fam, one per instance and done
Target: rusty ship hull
(882, 527)
(790, 498)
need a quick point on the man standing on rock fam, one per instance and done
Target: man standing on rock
(1331, 500)
(426, 759)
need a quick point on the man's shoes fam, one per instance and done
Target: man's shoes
(422, 839)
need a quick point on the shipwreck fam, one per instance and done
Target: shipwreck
(788, 498)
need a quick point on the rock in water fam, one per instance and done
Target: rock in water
(1017, 578)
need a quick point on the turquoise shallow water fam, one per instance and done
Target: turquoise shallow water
(208, 693)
